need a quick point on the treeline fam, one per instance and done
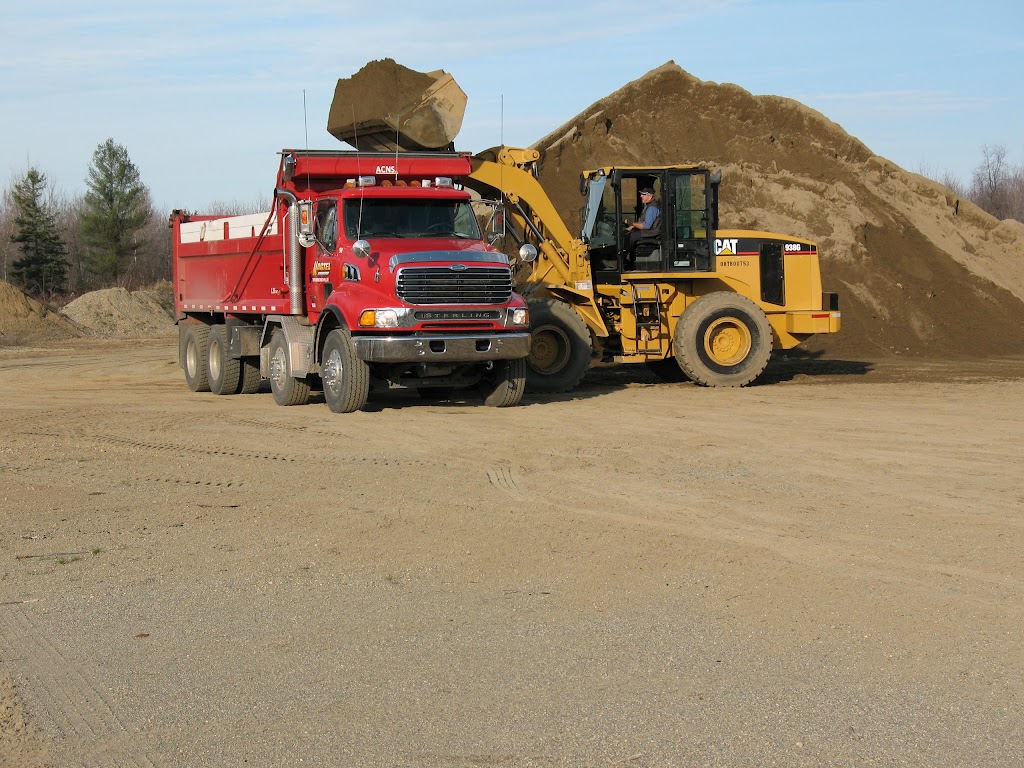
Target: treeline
(53, 245)
(996, 185)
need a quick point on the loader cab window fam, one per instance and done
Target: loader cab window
(326, 225)
(600, 230)
(641, 250)
(690, 222)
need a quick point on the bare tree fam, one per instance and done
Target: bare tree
(990, 183)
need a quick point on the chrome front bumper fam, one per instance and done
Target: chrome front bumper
(452, 349)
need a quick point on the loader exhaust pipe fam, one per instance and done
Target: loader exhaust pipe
(296, 299)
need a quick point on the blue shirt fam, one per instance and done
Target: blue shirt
(649, 214)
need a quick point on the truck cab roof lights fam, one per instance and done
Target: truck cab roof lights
(443, 181)
(367, 181)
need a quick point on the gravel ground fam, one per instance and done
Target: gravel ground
(822, 571)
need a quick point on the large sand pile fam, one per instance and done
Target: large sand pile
(23, 319)
(918, 271)
(118, 312)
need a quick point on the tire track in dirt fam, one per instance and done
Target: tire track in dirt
(757, 528)
(47, 471)
(67, 699)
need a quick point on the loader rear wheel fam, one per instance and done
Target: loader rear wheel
(195, 339)
(346, 378)
(503, 386)
(224, 371)
(559, 347)
(287, 389)
(723, 340)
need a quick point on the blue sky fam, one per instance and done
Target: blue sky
(203, 95)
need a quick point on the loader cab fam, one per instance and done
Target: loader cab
(680, 241)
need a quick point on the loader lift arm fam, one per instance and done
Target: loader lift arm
(562, 268)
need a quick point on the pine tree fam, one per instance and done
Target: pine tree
(116, 208)
(42, 269)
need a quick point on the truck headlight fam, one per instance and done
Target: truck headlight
(378, 318)
(521, 316)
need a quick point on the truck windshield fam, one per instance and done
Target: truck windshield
(394, 217)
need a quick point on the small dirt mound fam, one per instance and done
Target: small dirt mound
(23, 319)
(122, 313)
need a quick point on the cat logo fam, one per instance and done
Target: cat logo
(387, 169)
(726, 247)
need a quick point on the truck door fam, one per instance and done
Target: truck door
(687, 221)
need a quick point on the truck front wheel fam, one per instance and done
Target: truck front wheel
(224, 371)
(559, 347)
(346, 378)
(723, 340)
(503, 386)
(286, 388)
(193, 356)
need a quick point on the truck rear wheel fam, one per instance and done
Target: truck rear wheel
(249, 380)
(287, 389)
(504, 385)
(559, 347)
(223, 370)
(723, 340)
(346, 378)
(193, 356)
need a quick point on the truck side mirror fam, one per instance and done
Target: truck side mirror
(496, 224)
(305, 233)
(361, 248)
(527, 252)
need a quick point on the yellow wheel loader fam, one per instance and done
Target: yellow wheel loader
(683, 297)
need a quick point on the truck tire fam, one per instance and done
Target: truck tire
(223, 370)
(346, 378)
(504, 385)
(193, 356)
(723, 340)
(286, 388)
(559, 347)
(250, 379)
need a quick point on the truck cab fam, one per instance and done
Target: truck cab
(369, 270)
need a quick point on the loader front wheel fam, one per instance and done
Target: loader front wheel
(559, 347)
(723, 340)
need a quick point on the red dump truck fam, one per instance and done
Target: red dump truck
(369, 270)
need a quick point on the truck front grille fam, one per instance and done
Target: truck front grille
(444, 285)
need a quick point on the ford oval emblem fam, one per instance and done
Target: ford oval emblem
(459, 267)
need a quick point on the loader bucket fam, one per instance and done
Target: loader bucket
(387, 107)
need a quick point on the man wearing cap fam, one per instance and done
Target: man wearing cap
(648, 216)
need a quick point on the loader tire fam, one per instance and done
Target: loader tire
(504, 385)
(723, 340)
(224, 371)
(287, 389)
(195, 339)
(560, 347)
(346, 378)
